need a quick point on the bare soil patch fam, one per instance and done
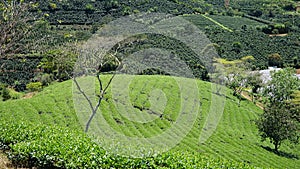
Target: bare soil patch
(6, 164)
(246, 96)
(29, 95)
(281, 35)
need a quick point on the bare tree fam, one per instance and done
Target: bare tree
(17, 27)
(87, 65)
(226, 3)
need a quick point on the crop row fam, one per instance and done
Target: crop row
(55, 147)
(21, 70)
(249, 40)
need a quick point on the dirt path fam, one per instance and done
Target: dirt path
(217, 23)
(281, 35)
(6, 164)
(246, 96)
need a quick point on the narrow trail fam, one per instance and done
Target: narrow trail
(217, 23)
(246, 96)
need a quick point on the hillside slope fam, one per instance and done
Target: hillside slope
(235, 138)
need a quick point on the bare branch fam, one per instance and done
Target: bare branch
(82, 92)
(5, 3)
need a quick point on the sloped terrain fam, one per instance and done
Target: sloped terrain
(235, 137)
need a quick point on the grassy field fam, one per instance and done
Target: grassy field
(235, 22)
(155, 102)
(227, 23)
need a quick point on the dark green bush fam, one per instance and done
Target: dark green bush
(5, 94)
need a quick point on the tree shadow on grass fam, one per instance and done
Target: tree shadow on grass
(281, 153)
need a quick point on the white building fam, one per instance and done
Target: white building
(266, 74)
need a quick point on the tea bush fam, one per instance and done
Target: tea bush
(44, 146)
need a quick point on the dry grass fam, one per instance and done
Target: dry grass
(29, 95)
(6, 164)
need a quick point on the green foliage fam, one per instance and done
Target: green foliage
(178, 50)
(59, 62)
(20, 70)
(5, 94)
(279, 120)
(50, 147)
(253, 42)
(275, 60)
(52, 6)
(234, 73)
(235, 138)
(277, 124)
(283, 84)
(34, 86)
(89, 8)
(45, 79)
(14, 94)
(8, 93)
(254, 81)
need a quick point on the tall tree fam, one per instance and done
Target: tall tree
(93, 61)
(282, 86)
(280, 120)
(254, 82)
(277, 124)
(235, 73)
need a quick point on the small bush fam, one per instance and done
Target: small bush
(5, 94)
(34, 86)
(2, 86)
(44, 78)
(14, 94)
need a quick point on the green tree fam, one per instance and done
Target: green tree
(282, 86)
(5, 94)
(280, 120)
(254, 82)
(60, 61)
(277, 124)
(275, 60)
(294, 105)
(235, 73)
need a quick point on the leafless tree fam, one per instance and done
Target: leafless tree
(89, 64)
(226, 3)
(17, 26)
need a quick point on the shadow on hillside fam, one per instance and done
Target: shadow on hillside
(281, 153)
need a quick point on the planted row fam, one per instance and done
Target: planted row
(44, 146)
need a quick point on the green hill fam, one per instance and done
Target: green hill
(235, 137)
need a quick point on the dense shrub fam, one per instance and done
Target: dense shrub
(44, 78)
(56, 147)
(14, 94)
(34, 86)
(5, 94)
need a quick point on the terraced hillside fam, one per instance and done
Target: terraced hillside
(156, 100)
(246, 38)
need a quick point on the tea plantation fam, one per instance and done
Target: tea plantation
(43, 115)
(45, 131)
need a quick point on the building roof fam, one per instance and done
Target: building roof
(266, 74)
